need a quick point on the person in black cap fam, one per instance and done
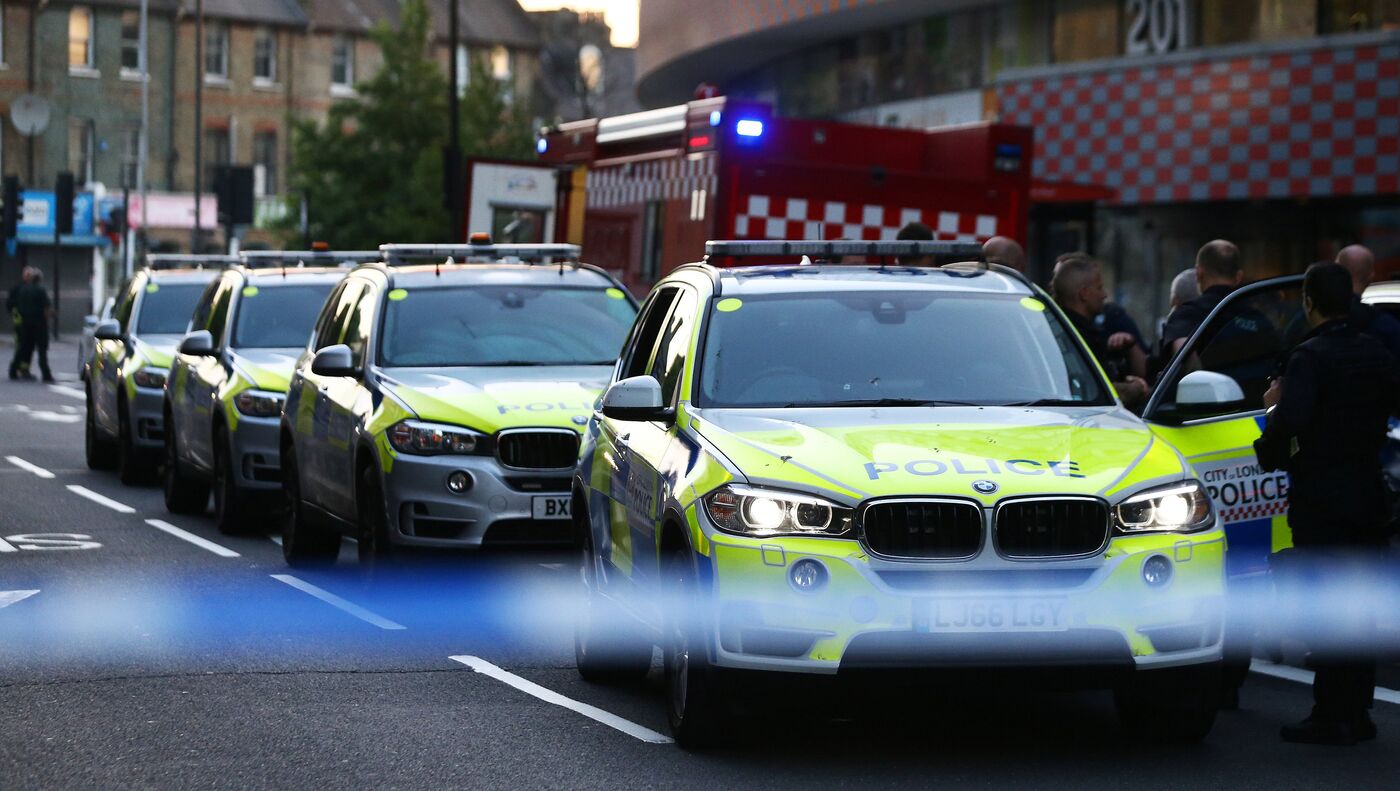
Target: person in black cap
(1326, 425)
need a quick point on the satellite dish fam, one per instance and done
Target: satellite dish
(30, 114)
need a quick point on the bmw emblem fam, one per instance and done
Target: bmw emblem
(580, 420)
(985, 487)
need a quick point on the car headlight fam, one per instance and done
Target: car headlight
(1179, 508)
(432, 439)
(762, 512)
(150, 377)
(259, 403)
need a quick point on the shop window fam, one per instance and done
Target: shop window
(1349, 16)
(1087, 30)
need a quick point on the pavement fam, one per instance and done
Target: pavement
(139, 649)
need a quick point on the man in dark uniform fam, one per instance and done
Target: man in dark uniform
(1219, 271)
(1361, 265)
(1079, 291)
(29, 302)
(1326, 425)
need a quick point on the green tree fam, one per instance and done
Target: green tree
(372, 171)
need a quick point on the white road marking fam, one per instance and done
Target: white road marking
(1301, 676)
(223, 552)
(552, 566)
(24, 465)
(337, 602)
(10, 597)
(275, 539)
(71, 392)
(82, 491)
(6, 546)
(550, 696)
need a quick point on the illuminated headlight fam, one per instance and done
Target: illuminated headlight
(259, 403)
(1178, 508)
(762, 512)
(150, 377)
(433, 439)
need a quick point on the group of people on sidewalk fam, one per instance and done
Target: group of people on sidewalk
(31, 311)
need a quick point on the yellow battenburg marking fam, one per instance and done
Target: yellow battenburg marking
(616, 293)
(729, 305)
(1031, 303)
(250, 291)
(152, 288)
(398, 294)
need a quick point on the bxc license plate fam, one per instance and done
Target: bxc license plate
(550, 507)
(989, 615)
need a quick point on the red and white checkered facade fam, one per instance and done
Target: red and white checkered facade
(1245, 513)
(672, 178)
(1319, 120)
(776, 217)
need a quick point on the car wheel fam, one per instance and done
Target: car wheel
(305, 541)
(231, 508)
(1176, 705)
(374, 545)
(695, 695)
(133, 466)
(609, 647)
(184, 494)
(100, 453)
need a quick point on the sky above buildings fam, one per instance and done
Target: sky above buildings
(621, 15)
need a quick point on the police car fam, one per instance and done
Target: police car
(820, 469)
(223, 397)
(131, 357)
(441, 398)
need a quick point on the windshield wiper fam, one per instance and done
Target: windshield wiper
(862, 402)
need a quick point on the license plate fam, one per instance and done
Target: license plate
(550, 507)
(995, 615)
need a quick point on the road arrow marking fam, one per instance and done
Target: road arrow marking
(10, 597)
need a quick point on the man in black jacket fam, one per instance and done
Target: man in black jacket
(1219, 270)
(1326, 426)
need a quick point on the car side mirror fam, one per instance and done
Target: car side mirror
(635, 398)
(1205, 392)
(198, 344)
(89, 321)
(335, 360)
(108, 330)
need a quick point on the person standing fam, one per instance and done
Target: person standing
(1219, 270)
(1005, 251)
(1079, 291)
(1326, 425)
(1361, 265)
(31, 304)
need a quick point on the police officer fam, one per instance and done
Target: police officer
(1326, 425)
(1361, 265)
(1218, 272)
(1005, 251)
(30, 304)
(1079, 291)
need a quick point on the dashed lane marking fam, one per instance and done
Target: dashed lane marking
(1301, 676)
(223, 552)
(10, 597)
(24, 465)
(83, 491)
(71, 392)
(550, 696)
(337, 602)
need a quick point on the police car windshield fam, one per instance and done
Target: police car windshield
(892, 348)
(278, 317)
(504, 325)
(166, 309)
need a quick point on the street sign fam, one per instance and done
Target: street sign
(30, 114)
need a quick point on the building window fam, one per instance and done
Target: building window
(131, 43)
(1346, 16)
(1018, 36)
(218, 150)
(500, 63)
(265, 56)
(82, 148)
(1087, 30)
(216, 51)
(342, 63)
(265, 163)
(80, 38)
(131, 157)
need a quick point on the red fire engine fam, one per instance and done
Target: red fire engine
(645, 191)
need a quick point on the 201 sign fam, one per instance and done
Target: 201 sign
(1158, 26)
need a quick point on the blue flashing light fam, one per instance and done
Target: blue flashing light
(715, 117)
(541, 145)
(749, 127)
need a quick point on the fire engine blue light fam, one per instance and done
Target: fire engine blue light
(749, 128)
(715, 117)
(541, 145)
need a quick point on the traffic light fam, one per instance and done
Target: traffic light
(63, 198)
(11, 211)
(233, 187)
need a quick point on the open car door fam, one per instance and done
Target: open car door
(1245, 338)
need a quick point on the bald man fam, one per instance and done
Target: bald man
(1079, 291)
(1361, 265)
(1219, 270)
(1005, 251)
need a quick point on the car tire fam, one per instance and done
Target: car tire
(695, 691)
(184, 494)
(305, 541)
(374, 546)
(232, 508)
(101, 453)
(609, 646)
(133, 465)
(1174, 705)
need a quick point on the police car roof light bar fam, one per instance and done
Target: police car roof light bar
(820, 250)
(397, 254)
(260, 259)
(156, 261)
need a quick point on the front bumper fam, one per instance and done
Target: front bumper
(253, 445)
(988, 612)
(146, 413)
(497, 508)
